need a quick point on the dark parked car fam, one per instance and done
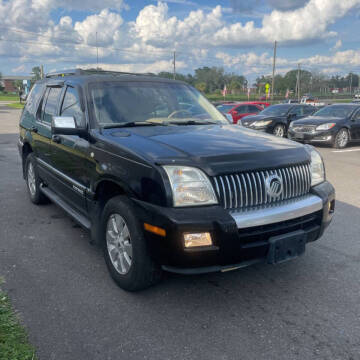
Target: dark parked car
(336, 124)
(276, 118)
(239, 110)
(165, 186)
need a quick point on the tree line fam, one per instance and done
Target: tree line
(213, 80)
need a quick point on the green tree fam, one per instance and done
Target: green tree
(36, 71)
(169, 75)
(18, 84)
(201, 86)
(212, 77)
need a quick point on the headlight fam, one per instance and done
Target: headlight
(190, 186)
(261, 123)
(326, 126)
(317, 166)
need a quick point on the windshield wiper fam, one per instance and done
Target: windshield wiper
(131, 124)
(192, 122)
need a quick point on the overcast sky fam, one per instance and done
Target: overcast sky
(141, 36)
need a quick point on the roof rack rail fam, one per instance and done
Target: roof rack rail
(70, 72)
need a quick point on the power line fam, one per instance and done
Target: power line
(174, 62)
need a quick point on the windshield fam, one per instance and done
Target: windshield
(152, 102)
(339, 111)
(225, 108)
(277, 110)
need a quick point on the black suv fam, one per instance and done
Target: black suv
(163, 181)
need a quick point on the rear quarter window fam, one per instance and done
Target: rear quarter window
(34, 98)
(52, 103)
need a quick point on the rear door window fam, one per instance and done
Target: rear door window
(243, 109)
(51, 105)
(253, 109)
(298, 110)
(308, 110)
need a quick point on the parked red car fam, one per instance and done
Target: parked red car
(239, 110)
(264, 104)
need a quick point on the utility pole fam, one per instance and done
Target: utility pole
(298, 83)
(350, 83)
(97, 51)
(273, 73)
(174, 63)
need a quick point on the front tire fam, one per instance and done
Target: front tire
(125, 250)
(279, 130)
(33, 181)
(341, 139)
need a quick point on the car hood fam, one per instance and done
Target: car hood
(214, 148)
(317, 120)
(247, 120)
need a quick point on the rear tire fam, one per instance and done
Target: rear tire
(33, 181)
(125, 250)
(341, 139)
(279, 130)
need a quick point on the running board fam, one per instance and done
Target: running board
(79, 218)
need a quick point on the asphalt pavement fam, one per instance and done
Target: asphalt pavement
(305, 309)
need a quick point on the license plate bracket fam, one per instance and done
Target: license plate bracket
(286, 247)
(299, 136)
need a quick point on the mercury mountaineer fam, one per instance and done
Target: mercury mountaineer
(162, 181)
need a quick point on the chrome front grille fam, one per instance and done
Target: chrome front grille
(242, 190)
(304, 128)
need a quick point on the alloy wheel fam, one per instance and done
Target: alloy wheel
(31, 180)
(342, 138)
(279, 131)
(118, 243)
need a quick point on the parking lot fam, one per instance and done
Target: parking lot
(305, 309)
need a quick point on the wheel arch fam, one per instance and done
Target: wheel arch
(26, 150)
(104, 190)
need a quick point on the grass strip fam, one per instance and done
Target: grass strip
(16, 105)
(14, 343)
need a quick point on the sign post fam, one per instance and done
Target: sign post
(267, 88)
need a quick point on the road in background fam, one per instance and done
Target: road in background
(305, 309)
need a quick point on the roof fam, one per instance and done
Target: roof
(86, 76)
(344, 104)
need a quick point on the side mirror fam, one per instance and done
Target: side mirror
(234, 112)
(291, 116)
(229, 118)
(65, 125)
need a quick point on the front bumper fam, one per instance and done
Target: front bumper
(239, 238)
(318, 136)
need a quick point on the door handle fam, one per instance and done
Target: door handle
(34, 129)
(56, 139)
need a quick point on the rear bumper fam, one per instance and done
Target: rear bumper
(239, 239)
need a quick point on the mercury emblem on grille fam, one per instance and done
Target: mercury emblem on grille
(274, 185)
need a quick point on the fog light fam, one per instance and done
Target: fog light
(197, 239)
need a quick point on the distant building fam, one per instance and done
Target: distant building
(8, 82)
